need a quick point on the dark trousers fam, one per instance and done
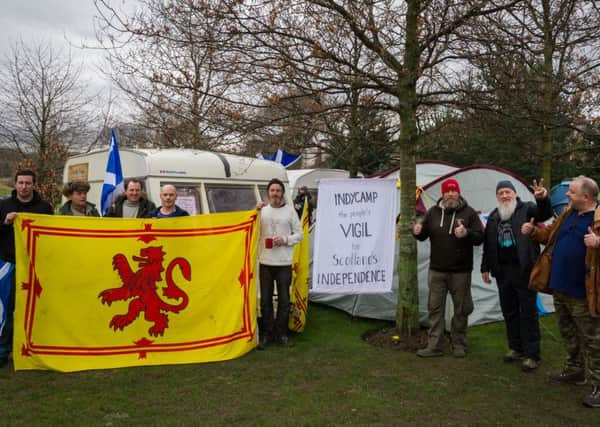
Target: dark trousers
(520, 312)
(269, 275)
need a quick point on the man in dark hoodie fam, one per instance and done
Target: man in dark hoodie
(453, 228)
(509, 256)
(23, 199)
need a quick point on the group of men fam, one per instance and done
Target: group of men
(131, 204)
(280, 231)
(511, 242)
(511, 248)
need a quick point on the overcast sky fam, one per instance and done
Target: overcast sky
(62, 22)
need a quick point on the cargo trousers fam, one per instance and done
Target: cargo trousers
(458, 284)
(581, 335)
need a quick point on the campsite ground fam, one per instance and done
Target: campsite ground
(331, 377)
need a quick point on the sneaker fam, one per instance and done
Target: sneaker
(593, 399)
(459, 352)
(428, 352)
(285, 341)
(529, 365)
(513, 356)
(565, 377)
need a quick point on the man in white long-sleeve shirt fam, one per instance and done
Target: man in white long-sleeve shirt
(280, 230)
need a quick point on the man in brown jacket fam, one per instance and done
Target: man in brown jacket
(574, 281)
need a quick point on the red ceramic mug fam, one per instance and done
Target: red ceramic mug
(269, 242)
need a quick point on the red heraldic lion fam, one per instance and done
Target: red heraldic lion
(141, 286)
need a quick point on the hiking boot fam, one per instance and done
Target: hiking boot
(459, 352)
(513, 356)
(565, 377)
(429, 352)
(529, 365)
(285, 341)
(593, 399)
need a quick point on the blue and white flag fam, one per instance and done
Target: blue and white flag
(280, 156)
(113, 180)
(7, 270)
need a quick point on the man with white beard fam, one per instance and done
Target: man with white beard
(509, 256)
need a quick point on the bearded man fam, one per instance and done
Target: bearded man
(453, 228)
(509, 256)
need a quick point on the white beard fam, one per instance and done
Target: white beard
(506, 210)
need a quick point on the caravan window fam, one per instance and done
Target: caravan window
(264, 195)
(188, 198)
(230, 198)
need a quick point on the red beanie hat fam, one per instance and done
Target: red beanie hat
(450, 185)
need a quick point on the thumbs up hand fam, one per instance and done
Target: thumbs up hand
(527, 227)
(590, 239)
(460, 231)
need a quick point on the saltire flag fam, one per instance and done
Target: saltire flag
(299, 291)
(7, 270)
(113, 180)
(97, 293)
(282, 157)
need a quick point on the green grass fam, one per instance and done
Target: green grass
(331, 377)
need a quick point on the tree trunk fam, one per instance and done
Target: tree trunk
(407, 314)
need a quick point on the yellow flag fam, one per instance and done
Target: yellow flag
(97, 293)
(299, 291)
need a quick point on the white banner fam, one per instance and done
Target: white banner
(354, 236)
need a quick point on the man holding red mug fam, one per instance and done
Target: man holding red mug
(280, 230)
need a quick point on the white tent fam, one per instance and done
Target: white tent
(478, 185)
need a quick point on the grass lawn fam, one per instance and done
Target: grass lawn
(331, 377)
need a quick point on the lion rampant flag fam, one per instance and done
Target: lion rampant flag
(103, 293)
(299, 291)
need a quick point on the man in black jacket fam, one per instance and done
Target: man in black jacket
(453, 228)
(132, 203)
(23, 199)
(509, 256)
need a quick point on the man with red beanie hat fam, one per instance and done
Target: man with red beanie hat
(453, 228)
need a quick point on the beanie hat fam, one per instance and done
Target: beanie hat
(505, 184)
(450, 185)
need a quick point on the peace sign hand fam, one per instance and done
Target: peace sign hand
(539, 191)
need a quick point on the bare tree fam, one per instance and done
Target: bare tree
(168, 58)
(538, 63)
(44, 108)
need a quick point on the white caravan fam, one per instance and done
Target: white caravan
(206, 182)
